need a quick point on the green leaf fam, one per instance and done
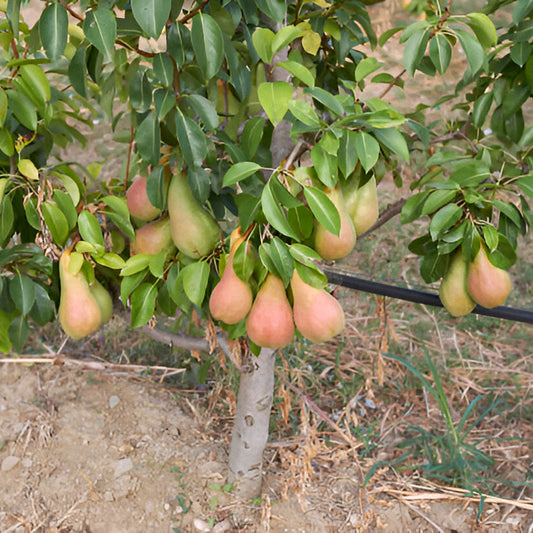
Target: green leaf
(474, 52)
(64, 202)
(28, 169)
(89, 228)
(412, 209)
(53, 30)
(19, 330)
(325, 165)
(326, 99)
(5, 321)
(347, 154)
(140, 91)
(262, 39)
(470, 173)
(135, 264)
(274, 98)
(365, 67)
(100, 28)
(521, 9)
(239, 172)
(414, 50)
(520, 52)
(3, 106)
(394, 141)
(481, 109)
(164, 102)
(304, 113)
(323, 209)
(282, 259)
(13, 16)
(7, 218)
(274, 214)
(23, 109)
(192, 140)
(440, 52)
(490, 236)
(205, 110)
(110, 260)
(142, 303)
(312, 275)
(284, 36)
(179, 43)
(298, 71)
(304, 254)
(195, 278)
(56, 221)
(273, 9)
(484, 29)
(43, 309)
(151, 15)
(525, 185)
(6, 142)
(444, 219)
(367, 149)
(163, 69)
(22, 291)
(437, 199)
(252, 135)
(77, 71)
(148, 139)
(208, 44)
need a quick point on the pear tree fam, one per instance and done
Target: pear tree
(253, 152)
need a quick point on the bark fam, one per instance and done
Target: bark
(250, 430)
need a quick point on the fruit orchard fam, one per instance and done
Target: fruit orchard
(252, 158)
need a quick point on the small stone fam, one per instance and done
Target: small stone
(108, 496)
(123, 466)
(201, 526)
(222, 527)
(113, 401)
(10, 462)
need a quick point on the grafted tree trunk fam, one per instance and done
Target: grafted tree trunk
(250, 430)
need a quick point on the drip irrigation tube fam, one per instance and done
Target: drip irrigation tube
(420, 297)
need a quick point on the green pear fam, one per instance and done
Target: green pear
(232, 297)
(317, 314)
(194, 231)
(362, 204)
(487, 284)
(103, 299)
(270, 323)
(153, 238)
(329, 245)
(79, 313)
(453, 291)
(138, 203)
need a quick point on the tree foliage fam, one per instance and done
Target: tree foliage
(203, 88)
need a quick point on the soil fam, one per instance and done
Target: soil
(93, 451)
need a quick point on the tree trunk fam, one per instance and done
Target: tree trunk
(250, 430)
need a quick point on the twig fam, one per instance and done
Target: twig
(420, 513)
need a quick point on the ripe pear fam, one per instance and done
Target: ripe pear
(232, 297)
(103, 299)
(153, 238)
(270, 322)
(79, 312)
(329, 245)
(453, 291)
(194, 230)
(138, 203)
(362, 204)
(487, 284)
(317, 314)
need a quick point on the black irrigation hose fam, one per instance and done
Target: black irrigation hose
(419, 297)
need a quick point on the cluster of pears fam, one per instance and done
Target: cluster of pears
(83, 306)
(356, 201)
(270, 317)
(187, 226)
(466, 284)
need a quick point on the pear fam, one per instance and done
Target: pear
(453, 291)
(487, 284)
(270, 322)
(232, 297)
(317, 314)
(79, 312)
(153, 238)
(138, 203)
(329, 245)
(103, 299)
(194, 230)
(362, 204)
